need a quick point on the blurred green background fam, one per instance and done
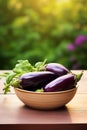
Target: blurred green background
(39, 29)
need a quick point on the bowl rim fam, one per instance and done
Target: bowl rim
(45, 93)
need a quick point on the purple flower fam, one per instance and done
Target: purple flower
(80, 40)
(71, 47)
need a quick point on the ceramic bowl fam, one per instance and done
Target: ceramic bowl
(45, 100)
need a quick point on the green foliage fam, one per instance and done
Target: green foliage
(22, 67)
(38, 29)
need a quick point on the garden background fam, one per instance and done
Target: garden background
(39, 29)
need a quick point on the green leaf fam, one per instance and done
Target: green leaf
(6, 88)
(40, 65)
(23, 66)
(10, 77)
(39, 90)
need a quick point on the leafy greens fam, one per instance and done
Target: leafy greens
(23, 66)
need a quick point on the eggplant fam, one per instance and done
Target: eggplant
(62, 83)
(36, 80)
(56, 68)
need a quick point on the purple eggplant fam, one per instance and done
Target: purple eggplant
(36, 80)
(62, 83)
(57, 69)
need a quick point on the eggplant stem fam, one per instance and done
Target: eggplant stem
(78, 76)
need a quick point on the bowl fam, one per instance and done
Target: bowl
(45, 100)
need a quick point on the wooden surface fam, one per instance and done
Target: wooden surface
(15, 115)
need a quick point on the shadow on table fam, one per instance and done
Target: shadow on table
(59, 115)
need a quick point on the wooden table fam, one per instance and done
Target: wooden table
(14, 115)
